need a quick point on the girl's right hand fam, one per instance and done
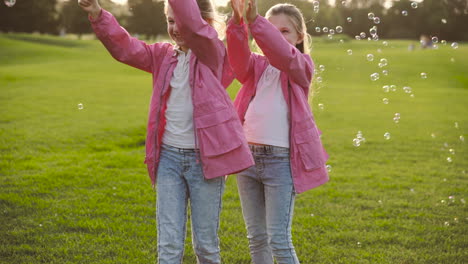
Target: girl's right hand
(91, 6)
(252, 12)
(237, 10)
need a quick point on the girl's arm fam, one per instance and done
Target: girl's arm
(199, 36)
(116, 39)
(281, 54)
(239, 52)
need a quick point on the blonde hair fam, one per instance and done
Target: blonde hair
(296, 17)
(209, 14)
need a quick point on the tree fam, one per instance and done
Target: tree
(29, 16)
(147, 17)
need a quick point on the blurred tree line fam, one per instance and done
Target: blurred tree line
(446, 19)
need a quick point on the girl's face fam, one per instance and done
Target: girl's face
(173, 30)
(284, 24)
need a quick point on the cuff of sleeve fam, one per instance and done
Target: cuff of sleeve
(101, 16)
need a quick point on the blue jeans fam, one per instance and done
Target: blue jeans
(180, 179)
(267, 196)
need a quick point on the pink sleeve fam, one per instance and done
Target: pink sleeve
(239, 52)
(120, 44)
(200, 37)
(280, 53)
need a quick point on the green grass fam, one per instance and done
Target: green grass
(74, 189)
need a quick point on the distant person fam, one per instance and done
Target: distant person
(278, 123)
(194, 136)
(425, 42)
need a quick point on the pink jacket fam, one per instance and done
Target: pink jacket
(219, 135)
(307, 154)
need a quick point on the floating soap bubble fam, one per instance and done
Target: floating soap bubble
(449, 159)
(350, 52)
(362, 35)
(375, 76)
(386, 88)
(385, 100)
(322, 67)
(462, 138)
(356, 142)
(359, 244)
(443, 20)
(316, 9)
(332, 31)
(404, 13)
(384, 61)
(370, 16)
(423, 75)
(385, 72)
(379, 50)
(456, 125)
(396, 118)
(452, 151)
(373, 30)
(443, 42)
(9, 3)
(414, 5)
(393, 88)
(446, 223)
(329, 168)
(407, 89)
(387, 136)
(325, 29)
(339, 29)
(349, 19)
(385, 43)
(80, 106)
(435, 39)
(357, 37)
(318, 29)
(376, 20)
(319, 79)
(316, 3)
(370, 57)
(454, 45)
(321, 107)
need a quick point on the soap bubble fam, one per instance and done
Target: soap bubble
(332, 31)
(318, 29)
(386, 88)
(373, 30)
(387, 135)
(80, 106)
(443, 20)
(362, 35)
(357, 37)
(329, 168)
(435, 39)
(370, 57)
(385, 100)
(454, 45)
(375, 76)
(423, 75)
(316, 3)
(385, 72)
(371, 16)
(322, 67)
(321, 107)
(350, 52)
(385, 43)
(9, 3)
(404, 13)
(414, 5)
(349, 19)
(384, 61)
(376, 20)
(356, 142)
(339, 29)
(325, 29)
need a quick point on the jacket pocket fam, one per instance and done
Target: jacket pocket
(310, 148)
(218, 133)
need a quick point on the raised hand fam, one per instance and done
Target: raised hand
(237, 10)
(91, 6)
(252, 12)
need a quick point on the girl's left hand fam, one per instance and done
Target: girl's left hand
(252, 12)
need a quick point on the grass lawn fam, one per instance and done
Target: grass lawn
(74, 189)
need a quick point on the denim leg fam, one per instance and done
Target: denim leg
(251, 192)
(205, 204)
(279, 197)
(171, 208)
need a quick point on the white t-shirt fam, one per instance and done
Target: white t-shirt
(266, 120)
(179, 112)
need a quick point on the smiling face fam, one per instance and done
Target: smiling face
(173, 30)
(287, 28)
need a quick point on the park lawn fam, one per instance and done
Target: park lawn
(74, 189)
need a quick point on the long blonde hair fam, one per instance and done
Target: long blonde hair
(209, 14)
(296, 17)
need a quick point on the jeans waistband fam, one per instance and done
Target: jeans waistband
(268, 149)
(179, 150)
